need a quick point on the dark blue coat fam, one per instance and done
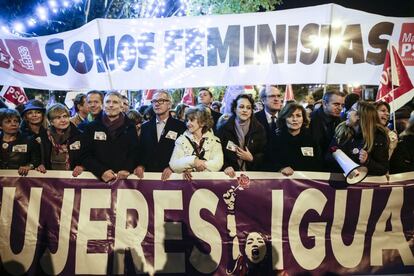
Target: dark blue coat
(155, 155)
(118, 153)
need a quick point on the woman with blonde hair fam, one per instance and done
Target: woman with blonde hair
(363, 138)
(197, 149)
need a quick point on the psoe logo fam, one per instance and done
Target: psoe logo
(26, 56)
(407, 44)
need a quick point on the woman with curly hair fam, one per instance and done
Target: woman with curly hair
(197, 149)
(363, 138)
(243, 138)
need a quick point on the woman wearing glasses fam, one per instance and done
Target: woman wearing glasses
(363, 138)
(242, 137)
(197, 149)
(62, 148)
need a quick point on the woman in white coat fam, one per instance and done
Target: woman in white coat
(197, 149)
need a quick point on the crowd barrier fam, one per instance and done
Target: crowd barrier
(258, 222)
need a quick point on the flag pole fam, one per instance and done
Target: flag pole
(391, 51)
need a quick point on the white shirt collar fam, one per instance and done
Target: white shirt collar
(269, 116)
(158, 121)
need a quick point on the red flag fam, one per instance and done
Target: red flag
(288, 94)
(395, 85)
(249, 89)
(14, 95)
(188, 97)
(148, 96)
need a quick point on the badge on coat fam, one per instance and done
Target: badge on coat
(19, 148)
(231, 146)
(171, 135)
(39, 140)
(100, 136)
(307, 151)
(75, 145)
(355, 151)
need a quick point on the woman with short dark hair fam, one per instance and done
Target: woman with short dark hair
(242, 137)
(34, 123)
(197, 149)
(293, 148)
(18, 151)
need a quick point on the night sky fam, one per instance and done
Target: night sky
(397, 8)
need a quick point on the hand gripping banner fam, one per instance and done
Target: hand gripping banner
(321, 44)
(259, 223)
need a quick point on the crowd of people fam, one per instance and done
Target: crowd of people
(112, 141)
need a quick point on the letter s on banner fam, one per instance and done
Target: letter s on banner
(205, 263)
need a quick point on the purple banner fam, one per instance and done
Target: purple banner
(246, 226)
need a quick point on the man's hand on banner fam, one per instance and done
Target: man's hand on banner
(108, 175)
(77, 171)
(139, 172)
(122, 174)
(24, 170)
(41, 168)
(288, 171)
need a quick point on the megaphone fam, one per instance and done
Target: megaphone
(354, 173)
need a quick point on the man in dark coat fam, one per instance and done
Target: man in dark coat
(325, 119)
(110, 142)
(271, 98)
(205, 97)
(158, 137)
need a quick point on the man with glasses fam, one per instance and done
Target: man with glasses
(325, 119)
(158, 137)
(272, 100)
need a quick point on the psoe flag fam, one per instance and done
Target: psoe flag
(395, 85)
(14, 95)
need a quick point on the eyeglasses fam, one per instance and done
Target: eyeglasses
(279, 96)
(160, 101)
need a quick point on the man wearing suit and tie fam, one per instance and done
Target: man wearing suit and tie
(271, 97)
(158, 137)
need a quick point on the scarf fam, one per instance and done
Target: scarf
(241, 130)
(59, 156)
(114, 125)
(198, 150)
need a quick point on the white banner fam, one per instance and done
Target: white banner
(320, 44)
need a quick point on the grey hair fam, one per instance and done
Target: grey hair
(165, 92)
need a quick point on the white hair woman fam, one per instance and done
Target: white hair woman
(197, 149)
